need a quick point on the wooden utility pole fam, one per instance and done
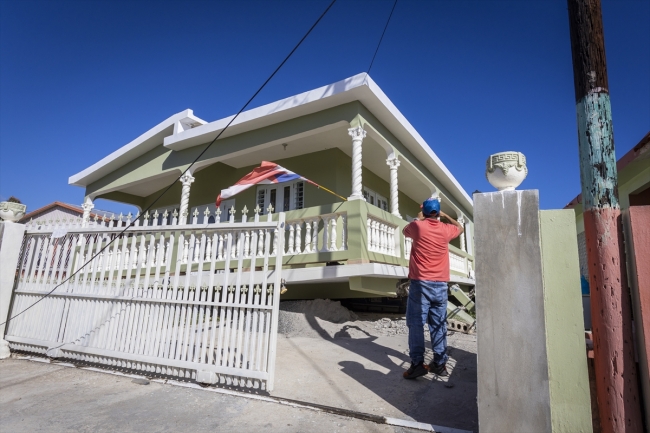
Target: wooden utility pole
(611, 313)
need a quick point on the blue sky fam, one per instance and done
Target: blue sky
(79, 79)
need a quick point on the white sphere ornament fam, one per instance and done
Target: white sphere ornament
(506, 170)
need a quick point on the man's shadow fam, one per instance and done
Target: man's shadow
(449, 402)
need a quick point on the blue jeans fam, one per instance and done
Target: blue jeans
(427, 303)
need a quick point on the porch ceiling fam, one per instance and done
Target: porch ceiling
(151, 185)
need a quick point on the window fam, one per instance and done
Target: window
(283, 197)
(375, 199)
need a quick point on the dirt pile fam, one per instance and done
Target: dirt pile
(312, 318)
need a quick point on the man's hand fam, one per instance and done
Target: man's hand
(420, 216)
(453, 221)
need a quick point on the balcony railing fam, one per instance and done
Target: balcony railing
(313, 235)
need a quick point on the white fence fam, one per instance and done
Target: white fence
(198, 301)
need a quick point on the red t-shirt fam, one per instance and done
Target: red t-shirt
(430, 250)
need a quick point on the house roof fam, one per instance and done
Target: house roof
(183, 130)
(640, 151)
(58, 204)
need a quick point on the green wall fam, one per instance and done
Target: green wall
(330, 168)
(567, 361)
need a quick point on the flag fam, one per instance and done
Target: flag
(267, 173)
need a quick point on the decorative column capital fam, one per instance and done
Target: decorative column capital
(461, 219)
(88, 206)
(357, 133)
(393, 163)
(187, 179)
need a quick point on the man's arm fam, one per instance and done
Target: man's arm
(453, 221)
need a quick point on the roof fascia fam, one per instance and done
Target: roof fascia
(145, 142)
(285, 109)
(414, 142)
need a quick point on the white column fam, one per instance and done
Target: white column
(87, 207)
(357, 134)
(186, 180)
(461, 220)
(393, 163)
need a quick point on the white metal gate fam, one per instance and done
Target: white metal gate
(197, 301)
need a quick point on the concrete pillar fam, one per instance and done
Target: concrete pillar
(11, 238)
(87, 206)
(186, 181)
(532, 366)
(393, 164)
(357, 134)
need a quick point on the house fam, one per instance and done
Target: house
(346, 136)
(59, 211)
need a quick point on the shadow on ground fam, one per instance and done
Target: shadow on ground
(359, 371)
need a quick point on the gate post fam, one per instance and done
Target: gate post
(11, 239)
(532, 364)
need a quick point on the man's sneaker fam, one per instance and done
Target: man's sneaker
(415, 371)
(438, 370)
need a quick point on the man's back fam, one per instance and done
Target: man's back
(430, 251)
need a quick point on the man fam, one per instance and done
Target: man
(427, 300)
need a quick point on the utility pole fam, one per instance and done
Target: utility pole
(611, 312)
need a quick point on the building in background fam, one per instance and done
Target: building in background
(59, 211)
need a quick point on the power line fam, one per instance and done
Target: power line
(382, 37)
(188, 168)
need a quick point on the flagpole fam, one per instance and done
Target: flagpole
(330, 191)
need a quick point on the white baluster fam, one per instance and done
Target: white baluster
(275, 241)
(326, 232)
(370, 237)
(291, 238)
(332, 219)
(260, 243)
(208, 249)
(220, 247)
(314, 235)
(308, 236)
(186, 250)
(197, 245)
(298, 247)
(344, 232)
(247, 243)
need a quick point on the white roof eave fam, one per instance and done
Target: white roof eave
(132, 150)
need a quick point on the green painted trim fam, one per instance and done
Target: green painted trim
(565, 342)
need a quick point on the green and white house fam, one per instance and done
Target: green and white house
(346, 136)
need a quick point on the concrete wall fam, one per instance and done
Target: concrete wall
(529, 314)
(637, 235)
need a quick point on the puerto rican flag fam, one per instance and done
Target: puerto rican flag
(266, 173)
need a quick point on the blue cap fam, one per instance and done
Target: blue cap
(430, 206)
